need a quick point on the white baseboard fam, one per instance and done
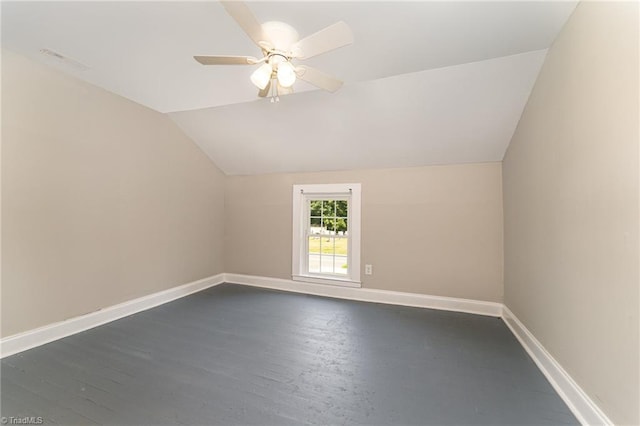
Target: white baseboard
(48, 333)
(587, 412)
(371, 295)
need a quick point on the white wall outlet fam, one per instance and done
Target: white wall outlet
(368, 270)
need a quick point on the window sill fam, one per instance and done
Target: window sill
(324, 280)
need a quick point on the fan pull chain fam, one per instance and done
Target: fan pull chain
(274, 92)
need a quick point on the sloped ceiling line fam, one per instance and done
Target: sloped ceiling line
(465, 113)
(427, 82)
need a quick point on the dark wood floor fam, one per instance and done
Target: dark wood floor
(247, 356)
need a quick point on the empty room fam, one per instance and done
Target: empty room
(320, 212)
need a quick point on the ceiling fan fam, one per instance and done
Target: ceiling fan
(280, 45)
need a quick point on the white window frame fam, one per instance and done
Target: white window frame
(301, 193)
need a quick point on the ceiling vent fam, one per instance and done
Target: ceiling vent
(61, 58)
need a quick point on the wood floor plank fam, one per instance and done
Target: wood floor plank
(238, 355)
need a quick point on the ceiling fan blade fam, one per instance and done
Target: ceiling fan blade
(226, 60)
(241, 13)
(329, 38)
(318, 78)
(265, 92)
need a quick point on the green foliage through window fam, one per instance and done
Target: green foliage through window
(329, 214)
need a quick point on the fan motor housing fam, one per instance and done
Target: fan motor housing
(281, 35)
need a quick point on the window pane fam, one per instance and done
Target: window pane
(329, 224)
(341, 246)
(326, 245)
(314, 244)
(340, 225)
(341, 265)
(326, 264)
(342, 208)
(328, 208)
(341, 255)
(315, 222)
(314, 263)
(315, 208)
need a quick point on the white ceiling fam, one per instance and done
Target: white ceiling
(460, 114)
(407, 100)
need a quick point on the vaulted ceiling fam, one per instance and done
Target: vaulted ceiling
(425, 82)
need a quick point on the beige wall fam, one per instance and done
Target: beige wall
(571, 206)
(103, 200)
(433, 230)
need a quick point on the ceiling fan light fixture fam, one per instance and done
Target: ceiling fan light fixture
(286, 74)
(262, 76)
(280, 44)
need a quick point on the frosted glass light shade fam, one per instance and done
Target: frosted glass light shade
(261, 76)
(286, 74)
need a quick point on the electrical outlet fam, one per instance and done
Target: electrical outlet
(368, 269)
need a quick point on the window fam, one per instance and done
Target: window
(326, 234)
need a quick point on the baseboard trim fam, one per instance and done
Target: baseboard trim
(587, 412)
(30, 339)
(371, 295)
